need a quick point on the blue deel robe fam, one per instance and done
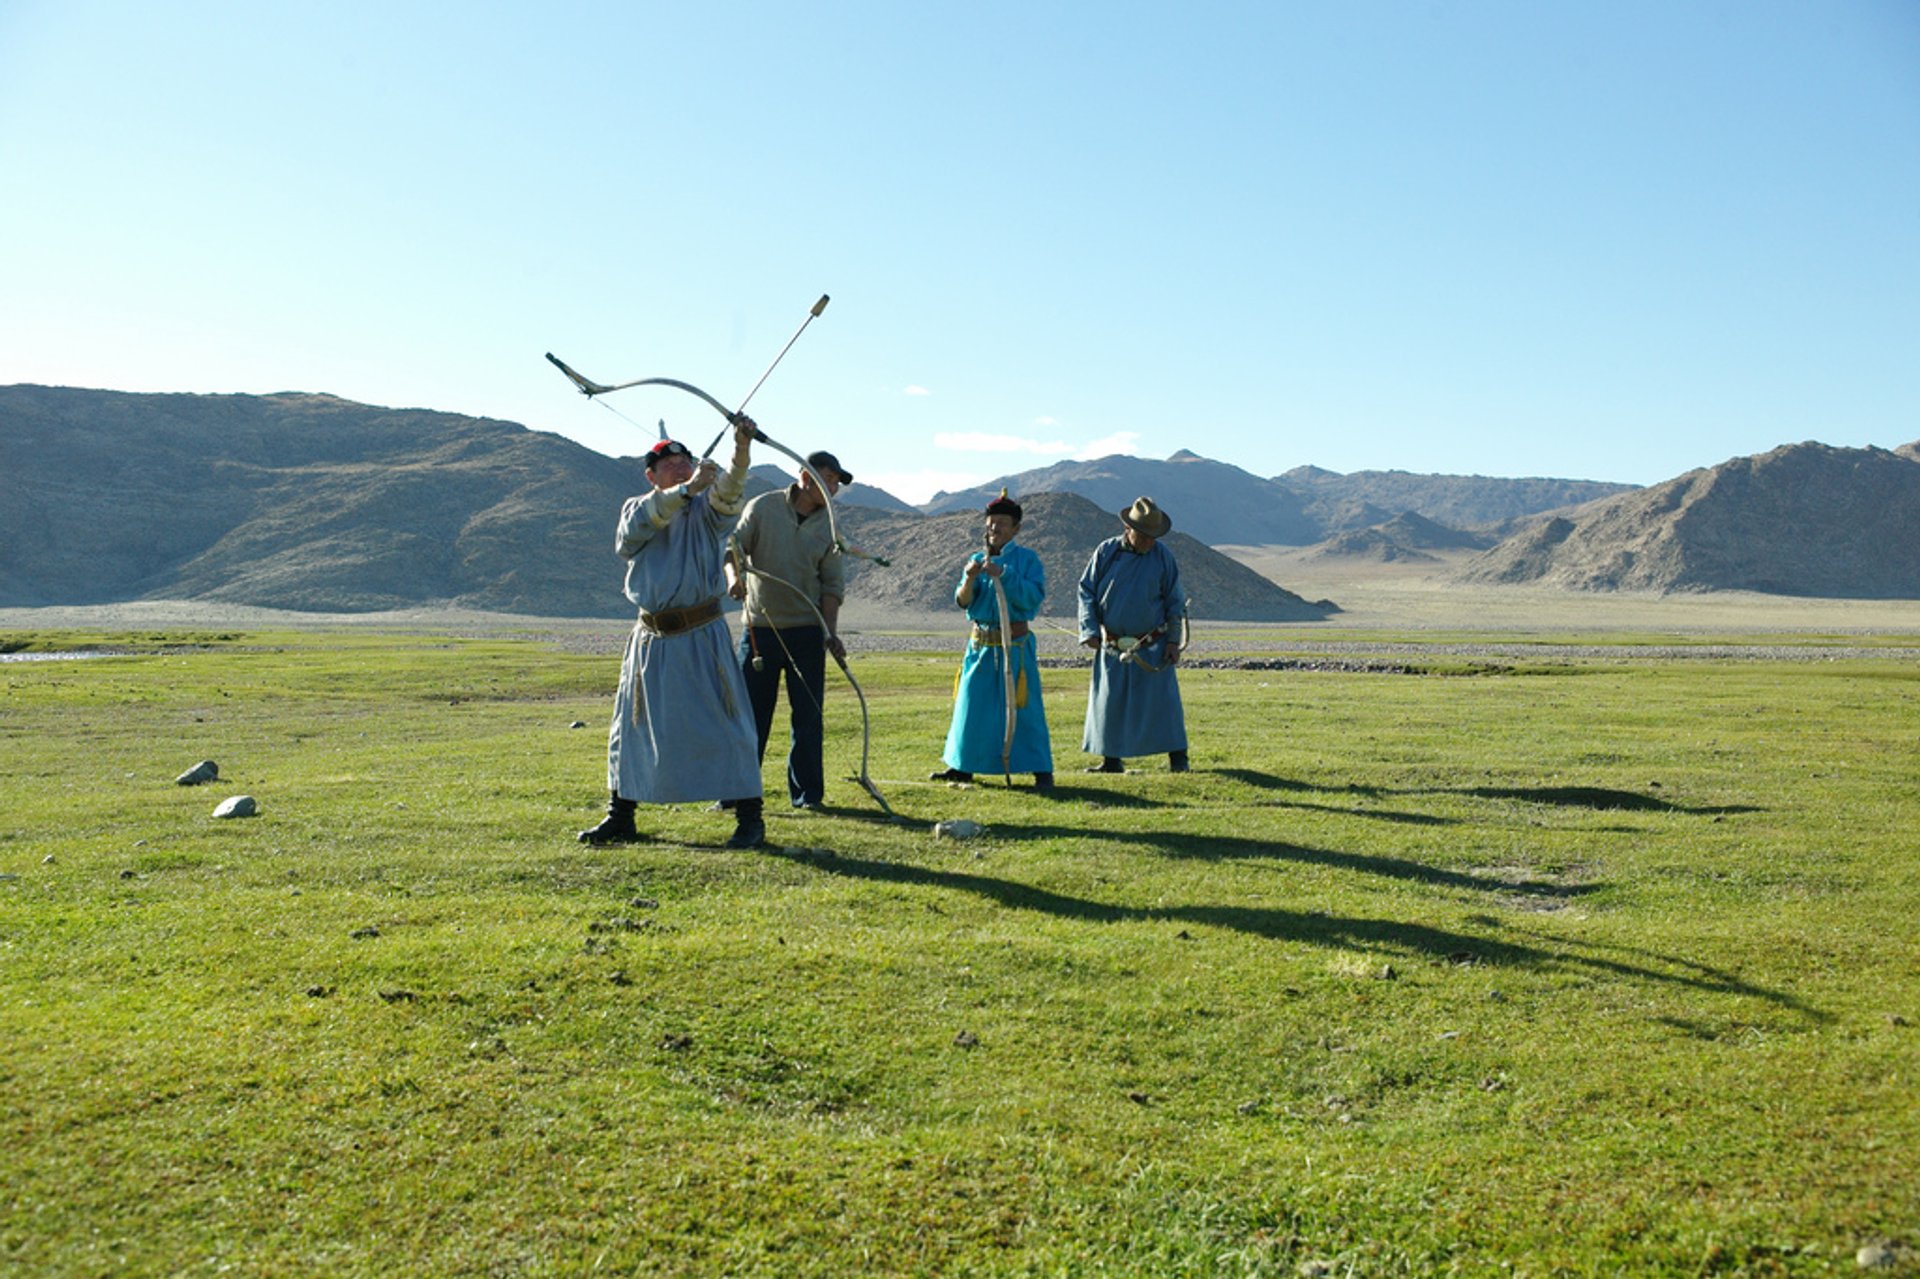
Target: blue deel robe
(980, 704)
(682, 726)
(1132, 710)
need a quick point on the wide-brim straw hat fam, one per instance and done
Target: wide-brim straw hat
(1145, 517)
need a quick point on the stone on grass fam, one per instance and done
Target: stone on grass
(1880, 1255)
(237, 806)
(205, 771)
(958, 828)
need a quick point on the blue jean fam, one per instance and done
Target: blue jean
(801, 652)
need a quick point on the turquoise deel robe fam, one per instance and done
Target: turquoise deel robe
(980, 703)
(1132, 710)
(682, 726)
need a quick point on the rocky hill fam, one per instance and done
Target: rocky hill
(1210, 501)
(1361, 499)
(299, 502)
(311, 502)
(1407, 538)
(304, 502)
(1223, 505)
(928, 553)
(1369, 544)
(1804, 519)
(314, 503)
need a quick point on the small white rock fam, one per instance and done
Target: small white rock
(1876, 1256)
(958, 828)
(205, 771)
(237, 806)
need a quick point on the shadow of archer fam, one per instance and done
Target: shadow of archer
(1268, 781)
(1222, 848)
(1415, 941)
(1597, 798)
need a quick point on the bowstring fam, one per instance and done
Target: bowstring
(617, 413)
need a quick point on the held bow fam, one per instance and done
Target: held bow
(866, 724)
(590, 389)
(1006, 664)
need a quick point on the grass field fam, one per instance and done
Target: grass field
(1606, 967)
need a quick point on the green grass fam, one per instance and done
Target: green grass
(1607, 969)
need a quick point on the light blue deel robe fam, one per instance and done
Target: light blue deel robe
(980, 704)
(1132, 710)
(682, 726)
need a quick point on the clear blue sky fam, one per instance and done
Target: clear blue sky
(1610, 240)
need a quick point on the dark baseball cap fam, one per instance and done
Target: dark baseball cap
(826, 463)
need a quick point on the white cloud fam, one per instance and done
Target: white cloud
(1045, 421)
(1127, 442)
(917, 390)
(915, 487)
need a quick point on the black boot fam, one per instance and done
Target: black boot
(1043, 781)
(616, 827)
(950, 775)
(1108, 764)
(749, 828)
(1176, 761)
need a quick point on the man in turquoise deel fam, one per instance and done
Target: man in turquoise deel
(977, 741)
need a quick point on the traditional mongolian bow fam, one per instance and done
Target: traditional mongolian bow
(866, 724)
(590, 389)
(1006, 665)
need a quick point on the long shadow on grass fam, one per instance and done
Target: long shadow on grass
(1220, 848)
(1267, 781)
(1436, 945)
(1597, 798)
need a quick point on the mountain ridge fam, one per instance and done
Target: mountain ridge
(310, 502)
(1222, 504)
(1802, 519)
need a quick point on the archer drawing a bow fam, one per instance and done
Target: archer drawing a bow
(592, 389)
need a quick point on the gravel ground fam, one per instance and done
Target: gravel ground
(1228, 646)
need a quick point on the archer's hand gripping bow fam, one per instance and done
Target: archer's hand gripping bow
(590, 389)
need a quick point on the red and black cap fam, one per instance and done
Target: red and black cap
(666, 449)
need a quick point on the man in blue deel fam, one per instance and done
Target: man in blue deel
(1133, 614)
(682, 726)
